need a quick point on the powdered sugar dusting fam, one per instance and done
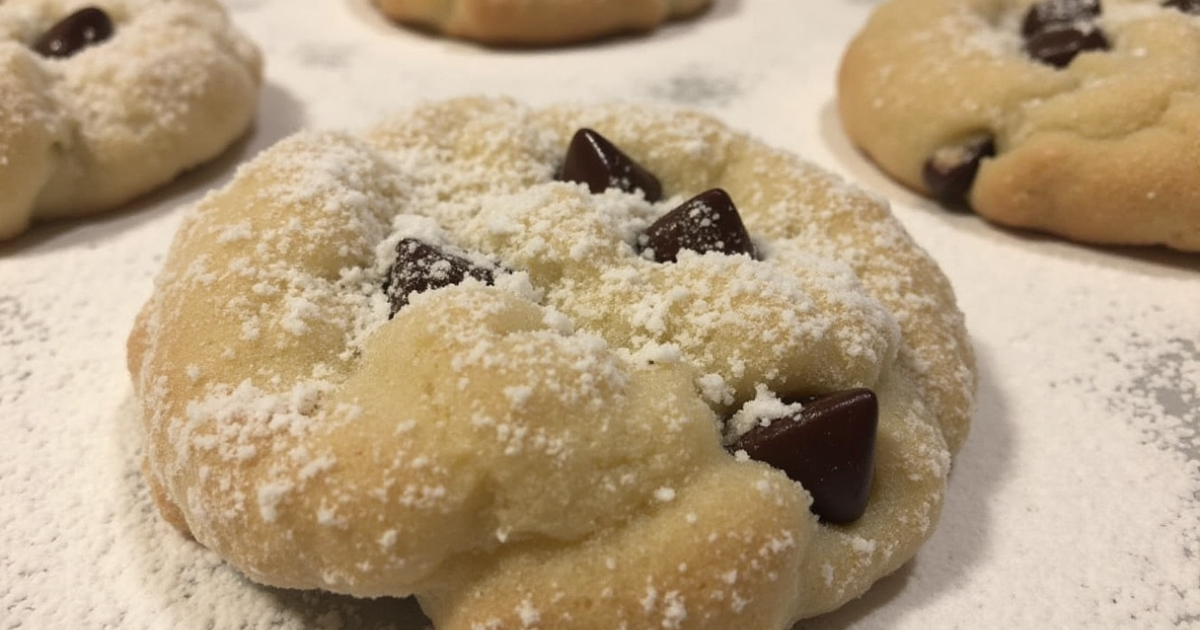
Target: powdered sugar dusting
(82, 546)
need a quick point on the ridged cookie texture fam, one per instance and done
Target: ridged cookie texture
(543, 449)
(537, 22)
(172, 86)
(1094, 120)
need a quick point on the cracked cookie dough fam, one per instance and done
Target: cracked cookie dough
(537, 22)
(575, 367)
(1077, 118)
(105, 102)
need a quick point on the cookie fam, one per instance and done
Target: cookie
(582, 366)
(1077, 118)
(104, 103)
(537, 22)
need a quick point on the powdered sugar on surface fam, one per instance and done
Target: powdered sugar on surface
(1075, 504)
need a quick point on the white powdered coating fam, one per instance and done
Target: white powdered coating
(759, 411)
(316, 443)
(171, 88)
(82, 547)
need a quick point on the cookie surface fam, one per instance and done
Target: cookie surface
(537, 22)
(1076, 118)
(545, 435)
(103, 106)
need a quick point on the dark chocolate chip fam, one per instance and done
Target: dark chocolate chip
(593, 160)
(1056, 14)
(86, 27)
(1058, 47)
(1187, 6)
(708, 222)
(422, 267)
(950, 171)
(829, 447)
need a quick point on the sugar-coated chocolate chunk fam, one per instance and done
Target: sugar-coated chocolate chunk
(422, 267)
(86, 27)
(828, 446)
(708, 222)
(591, 159)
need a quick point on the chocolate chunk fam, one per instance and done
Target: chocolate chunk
(829, 447)
(708, 222)
(950, 171)
(422, 267)
(83, 28)
(1187, 6)
(1058, 47)
(1056, 31)
(593, 160)
(1058, 14)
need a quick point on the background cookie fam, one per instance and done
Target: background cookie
(546, 437)
(537, 22)
(101, 106)
(1081, 121)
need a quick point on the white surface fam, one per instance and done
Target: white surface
(1075, 504)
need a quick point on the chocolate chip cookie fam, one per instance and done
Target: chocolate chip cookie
(537, 22)
(102, 103)
(1079, 118)
(588, 367)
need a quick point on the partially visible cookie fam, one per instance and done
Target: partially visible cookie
(1078, 118)
(104, 103)
(537, 22)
